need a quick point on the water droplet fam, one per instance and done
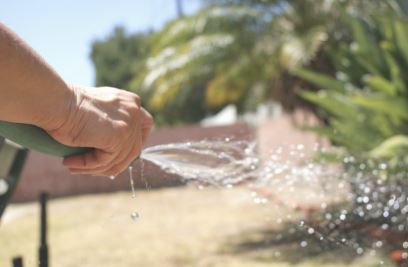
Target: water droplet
(405, 244)
(303, 243)
(372, 196)
(112, 177)
(367, 190)
(378, 244)
(132, 183)
(382, 166)
(135, 216)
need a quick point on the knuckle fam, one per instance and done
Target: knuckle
(136, 99)
(133, 98)
(135, 108)
(149, 119)
(123, 128)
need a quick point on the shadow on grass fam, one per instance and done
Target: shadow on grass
(290, 244)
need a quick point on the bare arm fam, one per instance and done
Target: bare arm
(108, 119)
(29, 88)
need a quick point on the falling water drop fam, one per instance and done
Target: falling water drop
(132, 183)
(135, 216)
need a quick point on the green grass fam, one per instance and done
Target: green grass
(179, 227)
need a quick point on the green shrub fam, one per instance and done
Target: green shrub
(365, 106)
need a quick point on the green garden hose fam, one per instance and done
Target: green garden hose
(35, 138)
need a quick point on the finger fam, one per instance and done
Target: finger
(147, 124)
(119, 168)
(124, 161)
(111, 170)
(90, 160)
(130, 157)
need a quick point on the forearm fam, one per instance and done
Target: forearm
(30, 91)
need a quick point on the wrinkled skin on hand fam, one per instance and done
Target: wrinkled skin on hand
(108, 119)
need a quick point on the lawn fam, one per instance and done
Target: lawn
(178, 227)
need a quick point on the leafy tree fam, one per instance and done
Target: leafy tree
(240, 52)
(119, 58)
(237, 52)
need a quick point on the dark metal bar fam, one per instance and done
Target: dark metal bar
(18, 262)
(43, 250)
(13, 173)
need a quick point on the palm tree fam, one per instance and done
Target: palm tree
(239, 52)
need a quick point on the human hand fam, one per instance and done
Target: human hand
(108, 119)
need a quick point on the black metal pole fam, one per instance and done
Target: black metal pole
(43, 250)
(18, 262)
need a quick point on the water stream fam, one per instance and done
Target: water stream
(336, 198)
(207, 162)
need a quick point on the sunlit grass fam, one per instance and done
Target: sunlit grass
(178, 227)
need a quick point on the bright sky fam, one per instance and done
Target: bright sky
(62, 31)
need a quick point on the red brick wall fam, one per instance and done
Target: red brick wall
(46, 173)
